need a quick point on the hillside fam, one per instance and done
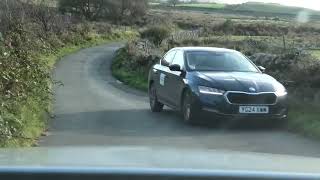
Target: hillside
(249, 8)
(269, 8)
(203, 5)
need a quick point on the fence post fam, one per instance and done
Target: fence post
(147, 47)
(284, 43)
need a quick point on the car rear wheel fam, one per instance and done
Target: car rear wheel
(189, 111)
(155, 105)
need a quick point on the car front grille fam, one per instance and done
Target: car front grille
(251, 98)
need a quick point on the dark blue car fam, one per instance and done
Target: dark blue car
(223, 82)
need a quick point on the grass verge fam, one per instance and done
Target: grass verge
(315, 53)
(34, 113)
(304, 119)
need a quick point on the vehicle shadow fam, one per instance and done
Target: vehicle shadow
(251, 124)
(142, 122)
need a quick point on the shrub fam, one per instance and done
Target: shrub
(192, 42)
(99, 9)
(156, 34)
(227, 26)
(23, 79)
(254, 29)
(187, 25)
(301, 69)
(132, 65)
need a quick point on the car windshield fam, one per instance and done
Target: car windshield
(219, 61)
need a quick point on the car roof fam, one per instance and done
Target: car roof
(214, 49)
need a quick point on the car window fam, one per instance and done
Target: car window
(167, 59)
(179, 58)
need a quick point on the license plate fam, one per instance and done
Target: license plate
(254, 109)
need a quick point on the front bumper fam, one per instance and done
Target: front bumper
(219, 105)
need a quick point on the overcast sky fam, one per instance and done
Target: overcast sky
(311, 4)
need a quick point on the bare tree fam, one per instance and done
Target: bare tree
(173, 2)
(116, 10)
(10, 12)
(43, 14)
(89, 9)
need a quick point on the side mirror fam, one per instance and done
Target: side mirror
(175, 67)
(164, 63)
(262, 69)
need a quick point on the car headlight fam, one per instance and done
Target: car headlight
(209, 90)
(281, 93)
(280, 90)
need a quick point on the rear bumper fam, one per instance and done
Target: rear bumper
(218, 106)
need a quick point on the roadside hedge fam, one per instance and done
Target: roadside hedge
(25, 75)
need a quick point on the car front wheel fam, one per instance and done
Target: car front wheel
(155, 105)
(189, 109)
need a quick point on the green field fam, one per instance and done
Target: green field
(258, 8)
(315, 53)
(269, 8)
(203, 5)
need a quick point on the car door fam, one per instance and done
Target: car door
(175, 79)
(162, 73)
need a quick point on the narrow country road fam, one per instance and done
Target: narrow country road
(93, 109)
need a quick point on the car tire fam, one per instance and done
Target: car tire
(190, 110)
(155, 105)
